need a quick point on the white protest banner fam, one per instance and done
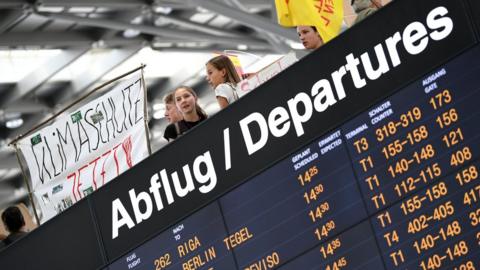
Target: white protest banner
(266, 74)
(83, 150)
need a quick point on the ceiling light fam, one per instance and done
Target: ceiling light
(201, 17)
(161, 21)
(163, 10)
(137, 20)
(242, 47)
(98, 44)
(15, 123)
(81, 9)
(162, 44)
(131, 33)
(53, 9)
(220, 21)
(187, 44)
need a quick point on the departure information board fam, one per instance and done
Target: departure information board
(396, 187)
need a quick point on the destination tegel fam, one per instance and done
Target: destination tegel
(324, 93)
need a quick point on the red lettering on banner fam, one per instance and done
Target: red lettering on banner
(325, 6)
(328, 8)
(103, 166)
(116, 159)
(127, 148)
(79, 183)
(74, 175)
(319, 6)
(94, 178)
(327, 20)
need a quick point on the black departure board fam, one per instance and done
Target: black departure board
(396, 187)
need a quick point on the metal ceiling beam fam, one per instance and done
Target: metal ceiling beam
(4, 149)
(127, 4)
(118, 25)
(130, 3)
(252, 20)
(11, 176)
(200, 27)
(174, 4)
(14, 4)
(225, 46)
(26, 106)
(152, 30)
(105, 63)
(54, 39)
(11, 17)
(9, 162)
(259, 4)
(118, 4)
(228, 43)
(76, 38)
(39, 76)
(49, 39)
(277, 43)
(265, 50)
(27, 125)
(14, 196)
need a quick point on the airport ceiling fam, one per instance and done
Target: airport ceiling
(114, 31)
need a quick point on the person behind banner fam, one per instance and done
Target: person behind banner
(186, 101)
(309, 37)
(14, 223)
(173, 115)
(223, 78)
(365, 8)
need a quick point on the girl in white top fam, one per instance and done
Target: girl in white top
(223, 78)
